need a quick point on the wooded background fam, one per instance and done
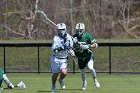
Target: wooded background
(105, 19)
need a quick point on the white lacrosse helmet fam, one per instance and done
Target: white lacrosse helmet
(80, 28)
(61, 28)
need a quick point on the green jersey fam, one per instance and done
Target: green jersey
(1, 73)
(1, 76)
(87, 39)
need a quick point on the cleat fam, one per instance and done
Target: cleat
(10, 86)
(97, 84)
(62, 83)
(84, 85)
(53, 89)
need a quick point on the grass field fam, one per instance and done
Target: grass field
(41, 83)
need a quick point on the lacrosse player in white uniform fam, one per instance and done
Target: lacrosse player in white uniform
(61, 47)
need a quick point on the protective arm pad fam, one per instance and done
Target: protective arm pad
(85, 46)
(96, 45)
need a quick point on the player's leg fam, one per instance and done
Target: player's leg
(93, 72)
(55, 71)
(90, 67)
(82, 65)
(63, 70)
(54, 78)
(61, 79)
(7, 81)
(63, 73)
(83, 75)
(63, 67)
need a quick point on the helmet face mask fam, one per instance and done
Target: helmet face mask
(80, 27)
(61, 29)
(62, 33)
(79, 32)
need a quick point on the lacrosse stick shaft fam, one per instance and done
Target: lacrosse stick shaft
(73, 57)
(45, 16)
(51, 21)
(74, 60)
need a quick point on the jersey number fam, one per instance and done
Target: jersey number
(66, 45)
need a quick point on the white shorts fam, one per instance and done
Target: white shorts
(58, 64)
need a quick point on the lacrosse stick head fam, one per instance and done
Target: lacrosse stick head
(21, 85)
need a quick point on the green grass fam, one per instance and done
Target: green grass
(41, 83)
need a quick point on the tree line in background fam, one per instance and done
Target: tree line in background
(106, 19)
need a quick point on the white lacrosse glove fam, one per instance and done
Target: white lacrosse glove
(85, 46)
(75, 40)
(58, 49)
(21, 85)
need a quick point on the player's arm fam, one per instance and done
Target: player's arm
(92, 42)
(94, 45)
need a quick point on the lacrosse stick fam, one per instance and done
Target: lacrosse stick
(45, 16)
(71, 52)
(74, 60)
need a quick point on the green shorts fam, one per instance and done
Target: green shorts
(83, 62)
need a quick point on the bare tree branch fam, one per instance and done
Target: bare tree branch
(13, 31)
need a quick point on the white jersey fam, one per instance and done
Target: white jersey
(59, 42)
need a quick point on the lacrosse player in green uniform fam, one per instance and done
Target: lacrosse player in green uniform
(4, 78)
(83, 42)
